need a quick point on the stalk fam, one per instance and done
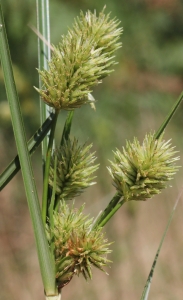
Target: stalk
(47, 166)
(45, 261)
(51, 209)
(108, 212)
(169, 116)
(44, 55)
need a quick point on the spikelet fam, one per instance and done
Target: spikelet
(82, 59)
(141, 171)
(75, 166)
(77, 247)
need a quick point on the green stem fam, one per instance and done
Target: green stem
(45, 259)
(169, 116)
(47, 166)
(112, 204)
(33, 143)
(51, 208)
(65, 137)
(111, 213)
(44, 55)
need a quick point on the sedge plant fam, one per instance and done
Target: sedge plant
(69, 242)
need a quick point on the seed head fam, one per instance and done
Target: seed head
(77, 247)
(80, 61)
(140, 171)
(75, 166)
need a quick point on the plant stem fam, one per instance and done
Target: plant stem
(110, 214)
(112, 204)
(169, 116)
(51, 209)
(47, 166)
(33, 143)
(58, 297)
(44, 55)
(45, 260)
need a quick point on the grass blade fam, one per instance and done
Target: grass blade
(44, 55)
(169, 116)
(46, 264)
(146, 290)
(33, 143)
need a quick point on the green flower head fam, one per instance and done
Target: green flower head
(77, 247)
(81, 60)
(74, 169)
(141, 171)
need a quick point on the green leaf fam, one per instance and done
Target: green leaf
(146, 290)
(45, 260)
(33, 143)
(44, 55)
(169, 116)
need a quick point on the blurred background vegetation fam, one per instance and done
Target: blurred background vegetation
(132, 101)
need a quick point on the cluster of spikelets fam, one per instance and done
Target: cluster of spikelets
(141, 171)
(83, 57)
(74, 169)
(76, 246)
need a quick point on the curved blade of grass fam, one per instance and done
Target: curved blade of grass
(146, 290)
(169, 116)
(44, 55)
(45, 260)
(33, 143)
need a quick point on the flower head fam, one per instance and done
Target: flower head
(77, 247)
(141, 171)
(75, 166)
(83, 57)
